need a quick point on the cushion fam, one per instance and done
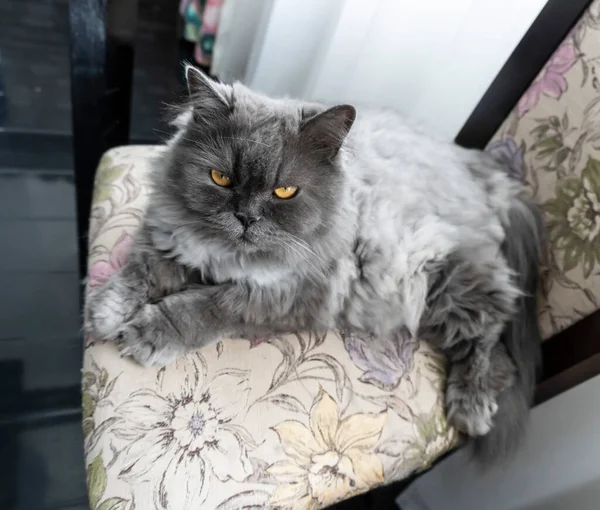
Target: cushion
(300, 421)
(552, 140)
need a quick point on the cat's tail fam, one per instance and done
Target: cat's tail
(520, 341)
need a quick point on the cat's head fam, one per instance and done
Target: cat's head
(255, 174)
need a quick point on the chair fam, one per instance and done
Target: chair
(303, 421)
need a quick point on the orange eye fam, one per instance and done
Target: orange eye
(286, 192)
(220, 178)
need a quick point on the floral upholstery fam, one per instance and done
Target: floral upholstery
(293, 422)
(552, 140)
(303, 421)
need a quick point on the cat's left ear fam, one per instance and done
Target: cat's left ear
(325, 132)
(207, 95)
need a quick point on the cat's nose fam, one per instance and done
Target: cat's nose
(246, 219)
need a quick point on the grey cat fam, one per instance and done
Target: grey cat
(274, 215)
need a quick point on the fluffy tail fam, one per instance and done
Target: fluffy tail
(521, 337)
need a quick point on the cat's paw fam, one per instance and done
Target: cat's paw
(105, 313)
(146, 340)
(470, 409)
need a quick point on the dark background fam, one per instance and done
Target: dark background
(41, 457)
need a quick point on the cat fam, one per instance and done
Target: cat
(276, 215)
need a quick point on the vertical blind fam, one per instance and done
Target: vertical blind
(430, 59)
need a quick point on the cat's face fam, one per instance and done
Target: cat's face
(255, 174)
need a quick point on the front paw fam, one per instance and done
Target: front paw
(470, 409)
(148, 339)
(106, 310)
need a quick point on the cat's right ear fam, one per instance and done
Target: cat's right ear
(207, 96)
(325, 132)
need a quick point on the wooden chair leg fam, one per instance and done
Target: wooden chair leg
(102, 53)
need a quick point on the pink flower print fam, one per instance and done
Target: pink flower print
(100, 271)
(255, 341)
(551, 81)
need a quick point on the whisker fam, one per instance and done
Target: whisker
(301, 255)
(300, 241)
(302, 244)
(181, 136)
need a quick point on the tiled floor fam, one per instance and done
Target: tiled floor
(41, 444)
(41, 454)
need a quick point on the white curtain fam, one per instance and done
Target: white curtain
(430, 59)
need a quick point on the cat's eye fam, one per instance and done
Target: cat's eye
(220, 178)
(286, 192)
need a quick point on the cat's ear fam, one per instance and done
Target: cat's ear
(325, 132)
(208, 96)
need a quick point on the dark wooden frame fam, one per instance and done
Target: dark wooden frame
(548, 30)
(102, 33)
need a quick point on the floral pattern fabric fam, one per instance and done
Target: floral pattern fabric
(552, 141)
(300, 421)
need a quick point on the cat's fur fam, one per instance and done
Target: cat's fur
(390, 229)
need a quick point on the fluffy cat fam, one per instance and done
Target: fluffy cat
(273, 215)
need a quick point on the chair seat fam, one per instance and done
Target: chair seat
(300, 421)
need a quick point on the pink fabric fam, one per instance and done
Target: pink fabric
(210, 26)
(100, 271)
(551, 82)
